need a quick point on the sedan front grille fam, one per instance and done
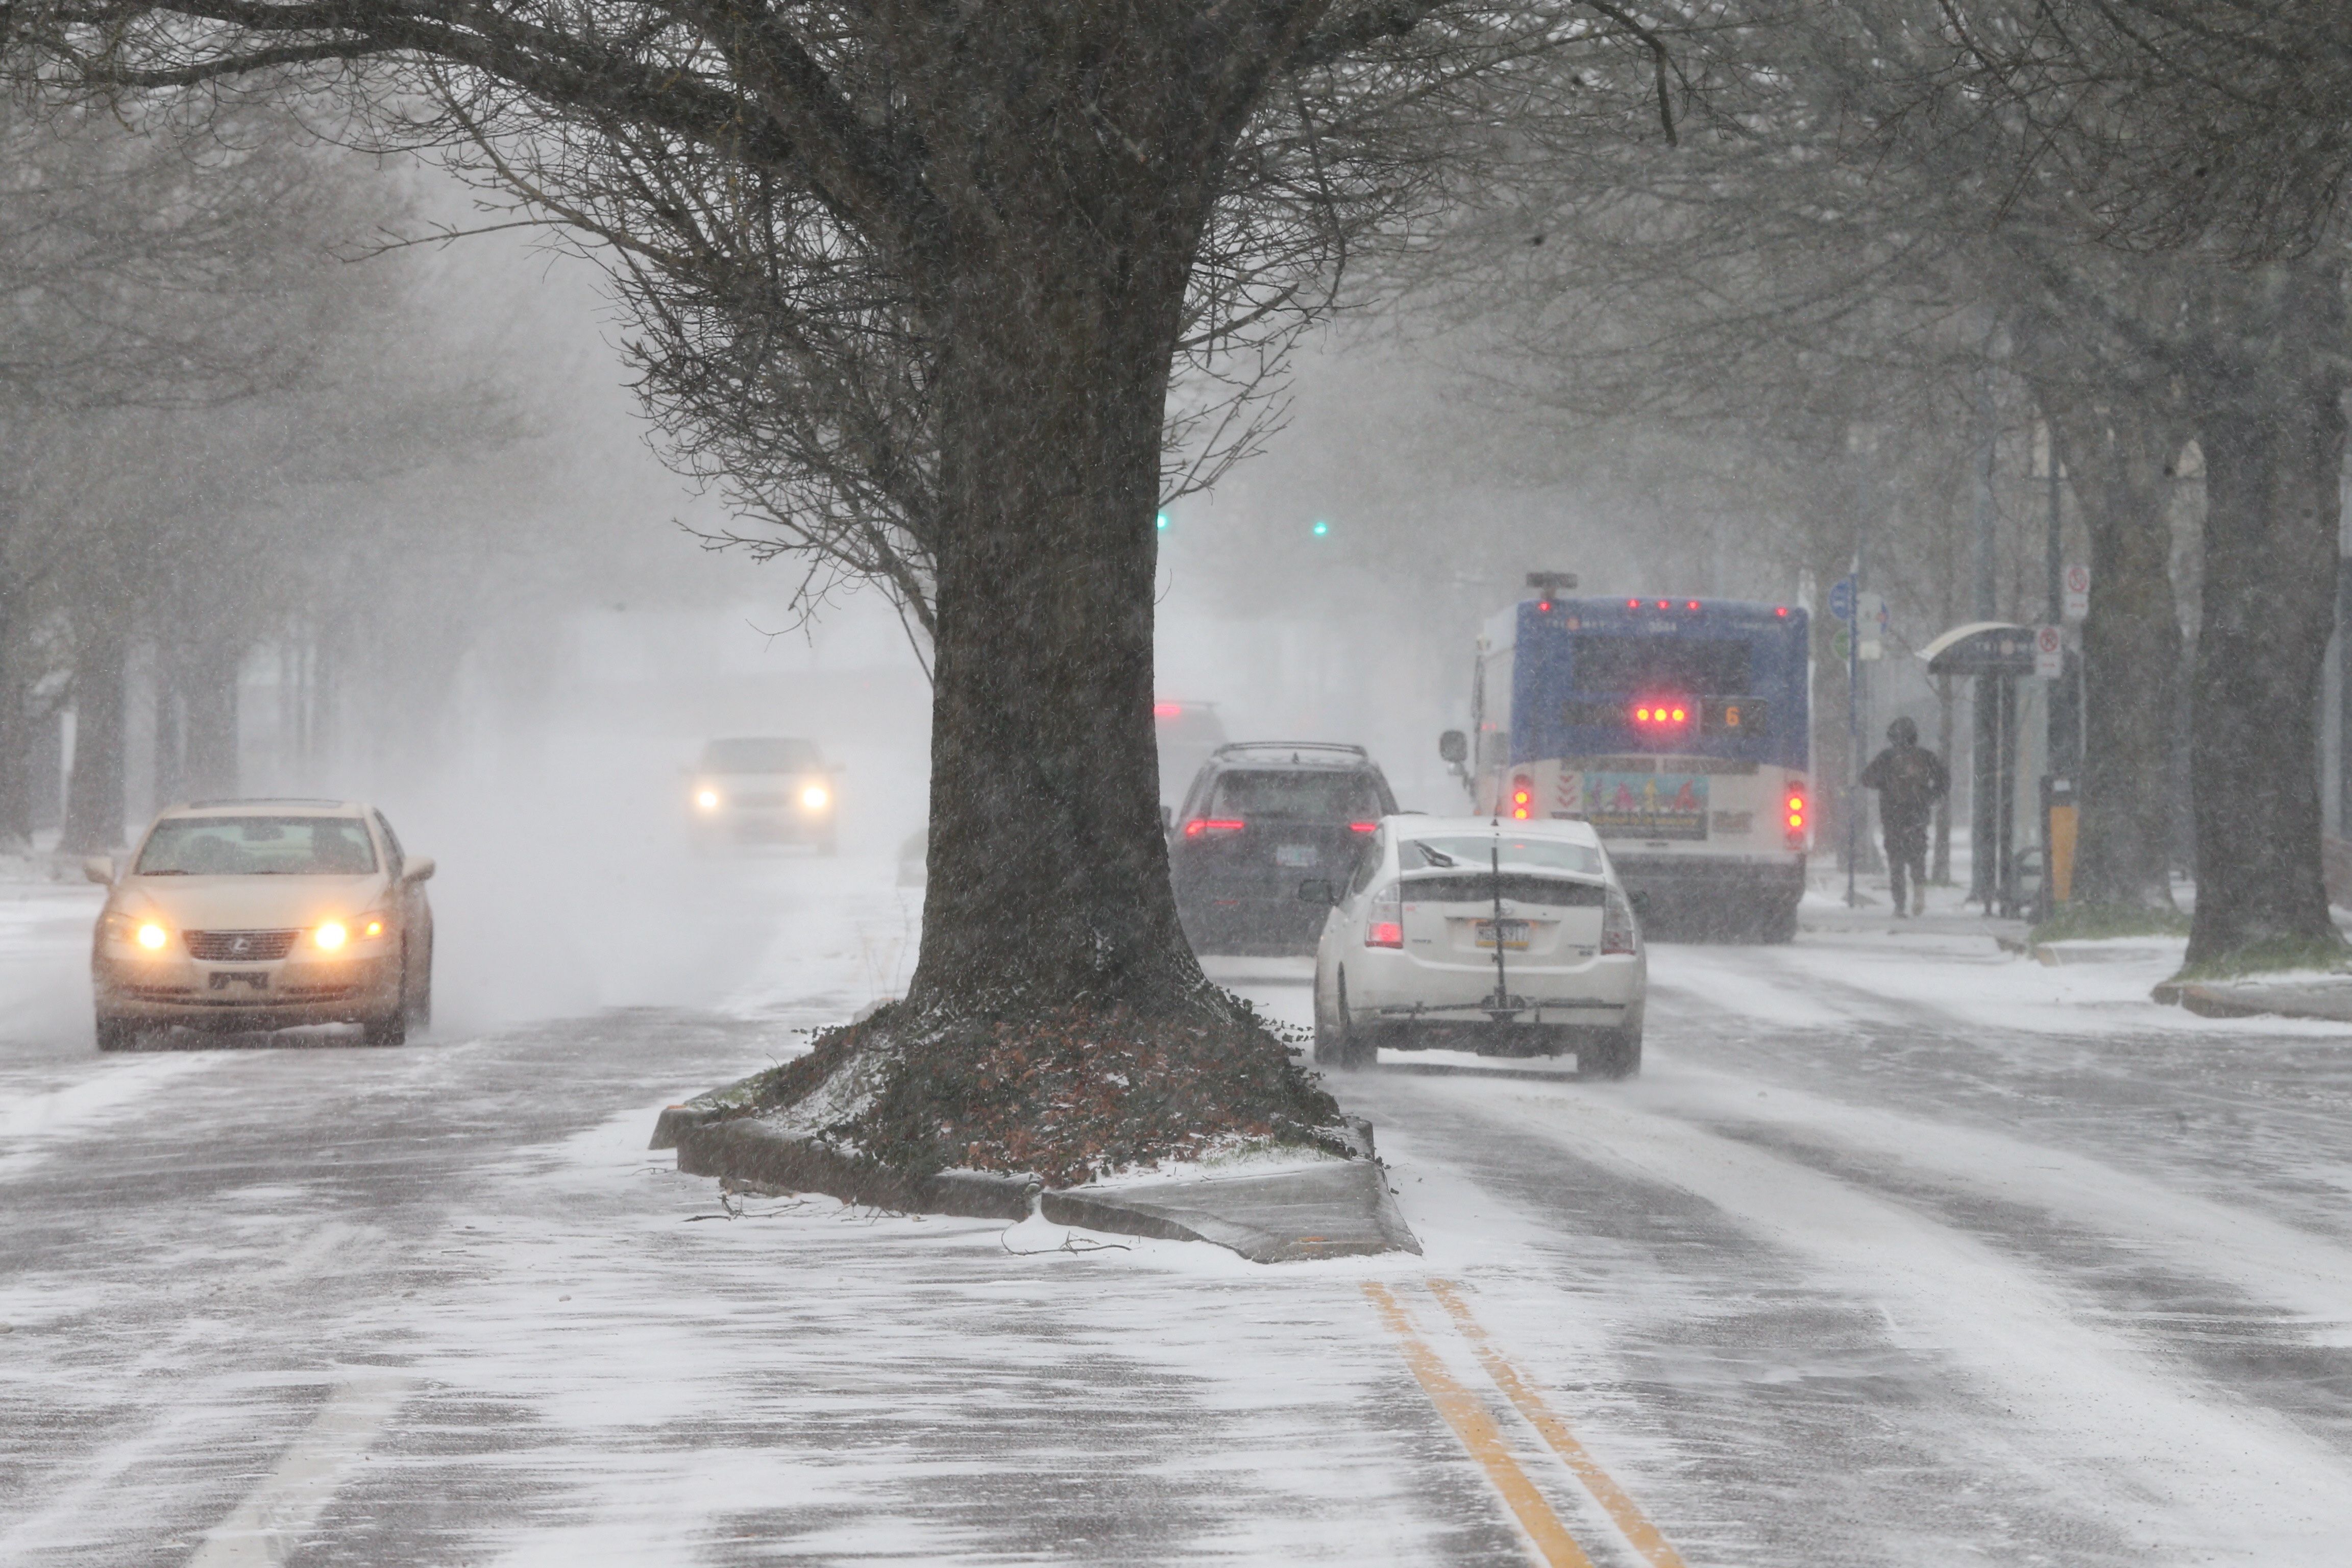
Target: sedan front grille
(241, 946)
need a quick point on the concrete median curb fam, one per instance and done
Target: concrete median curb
(1339, 1208)
(2329, 1003)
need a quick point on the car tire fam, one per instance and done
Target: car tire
(1612, 1054)
(1337, 1042)
(1778, 923)
(389, 1028)
(418, 998)
(117, 1034)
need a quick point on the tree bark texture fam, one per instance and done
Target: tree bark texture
(94, 804)
(1048, 872)
(2119, 460)
(2268, 392)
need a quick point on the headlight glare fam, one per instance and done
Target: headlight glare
(331, 936)
(814, 797)
(152, 937)
(707, 799)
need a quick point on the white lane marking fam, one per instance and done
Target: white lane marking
(2162, 1455)
(282, 1508)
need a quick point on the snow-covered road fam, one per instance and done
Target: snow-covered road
(1902, 1251)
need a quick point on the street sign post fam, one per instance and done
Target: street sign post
(1842, 598)
(2076, 607)
(2049, 652)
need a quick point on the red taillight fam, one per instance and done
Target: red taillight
(1792, 813)
(1166, 710)
(1782, 612)
(1363, 828)
(1656, 712)
(1220, 825)
(1384, 933)
(1523, 798)
(1543, 606)
(1664, 606)
(1384, 921)
(1618, 932)
(1633, 604)
(1692, 606)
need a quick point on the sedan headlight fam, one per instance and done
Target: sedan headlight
(143, 933)
(814, 797)
(334, 936)
(708, 799)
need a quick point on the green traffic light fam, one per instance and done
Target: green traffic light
(1163, 522)
(1321, 529)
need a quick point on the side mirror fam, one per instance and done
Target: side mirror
(98, 869)
(1454, 746)
(1317, 890)
(420, 870)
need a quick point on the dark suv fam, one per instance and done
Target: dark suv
(1260, 818)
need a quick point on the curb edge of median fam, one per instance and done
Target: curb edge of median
(1346, 1209)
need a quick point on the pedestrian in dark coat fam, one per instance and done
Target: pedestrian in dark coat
(1910, 779)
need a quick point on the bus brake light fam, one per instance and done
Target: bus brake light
(1793, 814)
(1658, 713)
(1523, 798)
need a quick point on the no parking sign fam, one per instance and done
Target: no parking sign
(2049, 652)
(2076, 600)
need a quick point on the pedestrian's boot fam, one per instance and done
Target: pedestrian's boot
(1919, 899)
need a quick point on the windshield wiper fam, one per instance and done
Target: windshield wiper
(1437, 857)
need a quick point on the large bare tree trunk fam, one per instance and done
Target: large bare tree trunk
(94, 804)
(2118, 457)
(1048, 873)
(2271, 424)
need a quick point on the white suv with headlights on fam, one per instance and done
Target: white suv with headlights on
(1463, 933)
(762, 789)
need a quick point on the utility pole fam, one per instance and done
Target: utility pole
(1985, 751)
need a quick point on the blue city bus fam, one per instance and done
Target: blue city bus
(1681, 728)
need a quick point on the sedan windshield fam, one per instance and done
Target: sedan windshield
(1545, 853)
(257, 847)
(761, 754)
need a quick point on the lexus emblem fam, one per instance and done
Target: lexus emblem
(241, 946)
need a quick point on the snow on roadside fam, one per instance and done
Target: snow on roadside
(101, 1091)
(1847, 979)
(2166, 1458)
(899, 1389)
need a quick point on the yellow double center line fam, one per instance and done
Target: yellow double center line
(1467, 1413)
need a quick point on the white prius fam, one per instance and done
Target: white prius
(1463, 933)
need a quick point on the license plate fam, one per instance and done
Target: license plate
(223, 979)
(1295, 855)
(1515, 934)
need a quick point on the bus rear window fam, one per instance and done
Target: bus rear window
(1629, 664)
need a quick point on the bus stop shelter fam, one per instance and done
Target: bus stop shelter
(1996, 654)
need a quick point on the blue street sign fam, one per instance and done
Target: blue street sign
(1842, 598)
